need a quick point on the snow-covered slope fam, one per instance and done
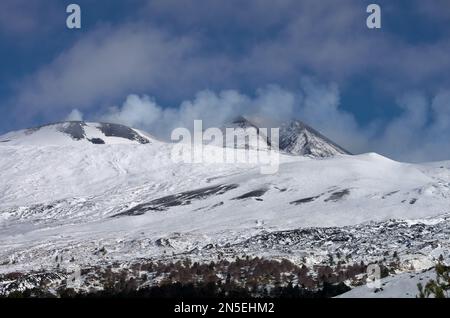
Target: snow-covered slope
(129, 197)
(67, 133)
(403, 285)
(242, 134)
(299, 139)
(295, 138)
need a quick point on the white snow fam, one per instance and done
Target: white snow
(59, 195)
(403, 285)
(53, 135)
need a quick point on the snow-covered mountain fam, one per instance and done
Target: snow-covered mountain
(243, 128)
(66, 133)
(300, 139)
(295, 138)
(60, 195)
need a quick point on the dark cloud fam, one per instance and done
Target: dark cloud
(24, 18)
(107, 64)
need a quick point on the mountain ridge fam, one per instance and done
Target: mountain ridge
(61, 133)
(126, 203)
(295, 137)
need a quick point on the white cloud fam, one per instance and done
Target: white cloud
(74, 115)
(420, 132)
(213, 108)
(314, 103)
(441, 111)
(412, 136)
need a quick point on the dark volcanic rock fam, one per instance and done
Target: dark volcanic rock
(304, 200)
(77, 131)
(338, 195)
(74, 129)
(252, 194)
(183, 198)
(97, 141)
(116, 130)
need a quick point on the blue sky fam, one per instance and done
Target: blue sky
(159, 64)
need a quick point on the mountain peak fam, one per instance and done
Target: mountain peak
(70, 132)
(240, 122)
(296, 138)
